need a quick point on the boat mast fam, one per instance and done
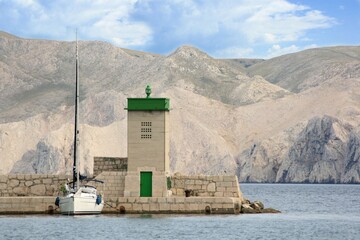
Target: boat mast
(76, 131)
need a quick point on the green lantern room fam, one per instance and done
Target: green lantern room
(148, 146)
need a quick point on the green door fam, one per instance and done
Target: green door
(145, 184)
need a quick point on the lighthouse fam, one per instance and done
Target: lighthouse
(148, 146)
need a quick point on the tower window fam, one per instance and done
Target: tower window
(145, 136)
(146, 124)
(146, 130)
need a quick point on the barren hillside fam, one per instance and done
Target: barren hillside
(307, 69)
(295, 120)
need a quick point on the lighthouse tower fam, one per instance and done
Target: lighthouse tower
(148, 146)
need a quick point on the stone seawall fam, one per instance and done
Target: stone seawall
(109, 164)
(19, 185)
(48, 185)
(113, 186)
(206, 186)
(184, 205)
(193, 205)
(190, 194)
(31, 185)
(27, 205)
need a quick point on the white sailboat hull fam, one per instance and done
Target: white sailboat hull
(80, 203)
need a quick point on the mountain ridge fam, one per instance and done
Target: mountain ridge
(220, 109)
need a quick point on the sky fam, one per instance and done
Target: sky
(221, 28)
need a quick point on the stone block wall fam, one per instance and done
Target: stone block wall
(109, 164)
(193, 205)
(209, 194)
(31, 185)
(27, 205)
(206, 186)
(113, 186)
(19, 185)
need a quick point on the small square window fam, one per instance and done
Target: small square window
(146, 130)
(145, 136)
(146, 124)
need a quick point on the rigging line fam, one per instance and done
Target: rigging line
(106, 203)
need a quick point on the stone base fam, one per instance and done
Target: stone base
(28, 205)
(140, 205)
(170, 205)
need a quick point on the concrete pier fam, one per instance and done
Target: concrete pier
(129, 205)
(178, 205)
(207, 194)
(27, 205)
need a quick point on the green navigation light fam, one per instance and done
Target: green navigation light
(148, 91)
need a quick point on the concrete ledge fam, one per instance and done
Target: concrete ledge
(154, 205)
(171, 205)
(27, 205)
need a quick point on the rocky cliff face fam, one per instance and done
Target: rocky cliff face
(318, 153)
(323, 152)
(351, 172)
(265, 128)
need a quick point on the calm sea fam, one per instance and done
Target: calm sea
(308, 212)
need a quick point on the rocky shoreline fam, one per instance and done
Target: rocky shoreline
(248, 207)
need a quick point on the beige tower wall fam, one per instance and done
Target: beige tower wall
(148, 152)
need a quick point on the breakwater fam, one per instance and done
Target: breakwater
(187, 194)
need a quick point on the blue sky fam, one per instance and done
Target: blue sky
(222, 28)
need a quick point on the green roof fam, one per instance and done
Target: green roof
(148, 104)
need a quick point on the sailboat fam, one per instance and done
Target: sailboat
(79, 199)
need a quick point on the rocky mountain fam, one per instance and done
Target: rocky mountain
(310, 68)
(294, 118)
(323, 152)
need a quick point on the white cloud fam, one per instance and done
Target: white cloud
(116, 27)
(272, 21)
(102, 20)
(231, 28)
(277, 50)
(27, 3)
(280, 21)
(32, 8)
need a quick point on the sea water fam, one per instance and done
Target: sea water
(308, 212)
